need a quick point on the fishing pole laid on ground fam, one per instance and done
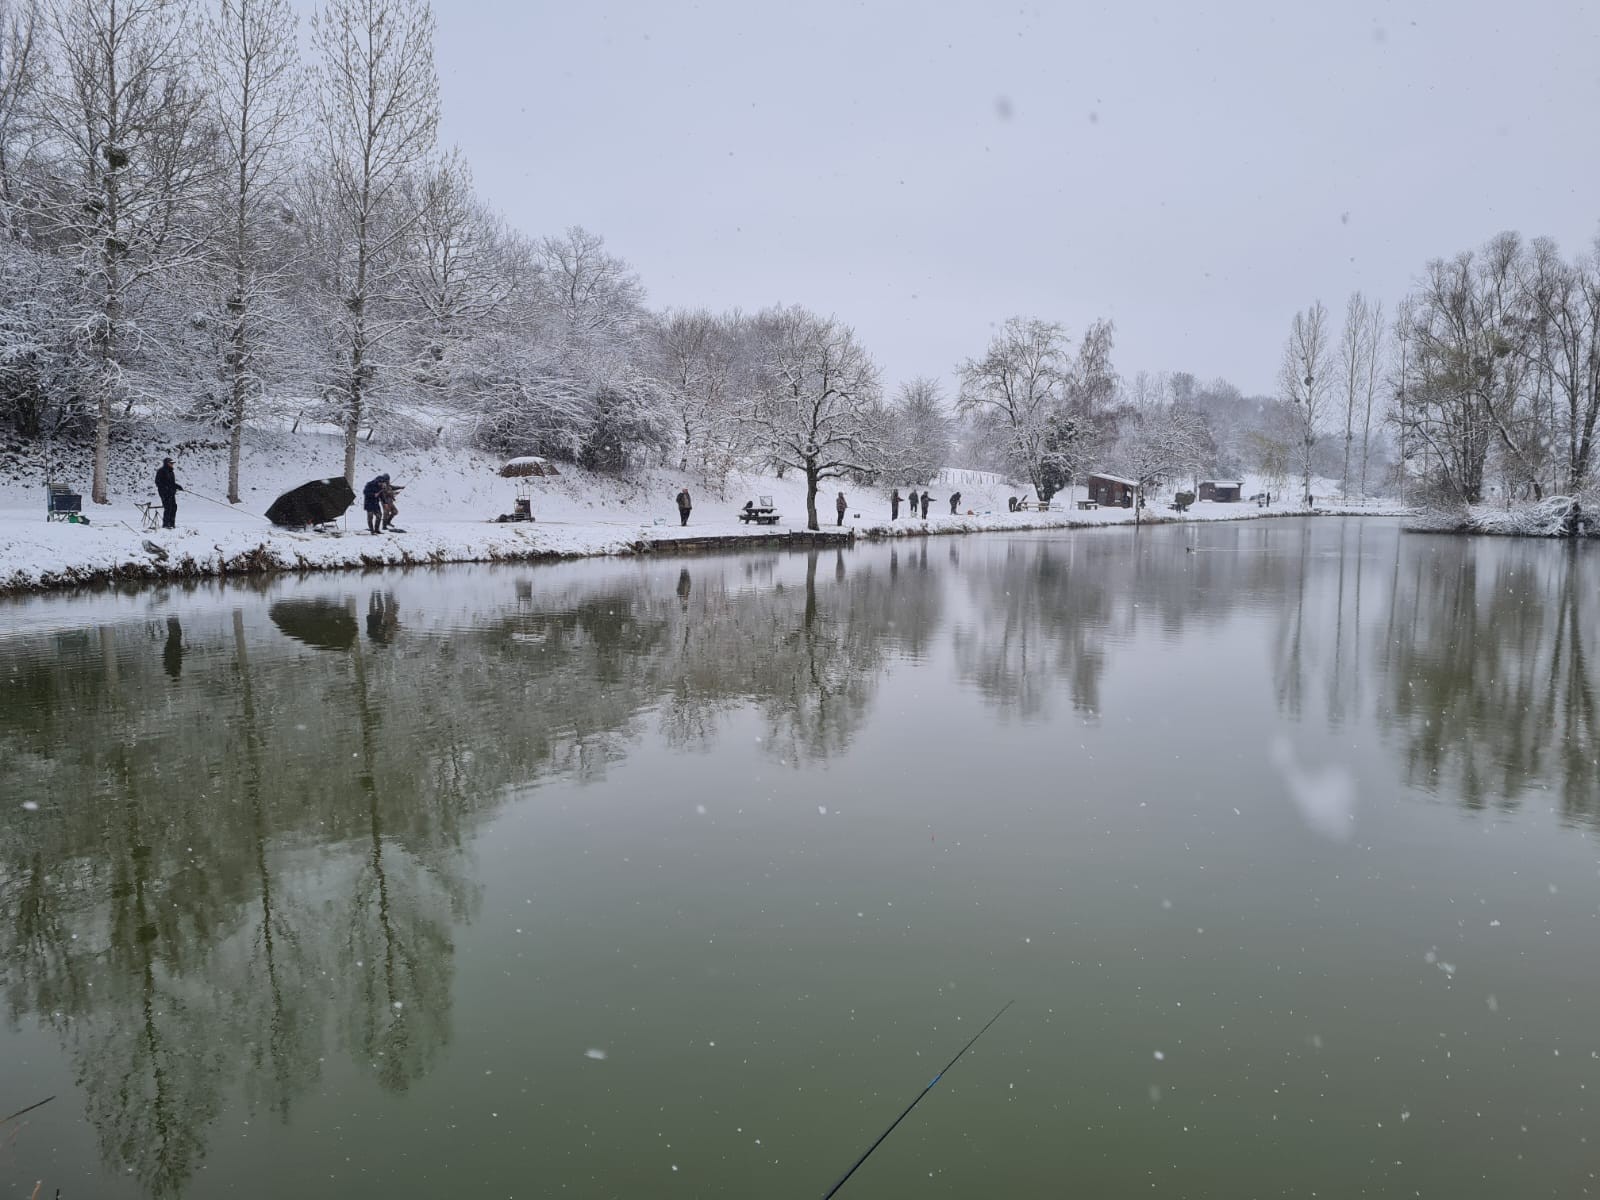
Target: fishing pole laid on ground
(845, 1177)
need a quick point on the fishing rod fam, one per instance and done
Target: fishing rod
(868, 1153)
(29, 1109)
(233, 508)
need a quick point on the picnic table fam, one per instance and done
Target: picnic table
(762, 514)
(1087, 505)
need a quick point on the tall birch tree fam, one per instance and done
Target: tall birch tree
(252, 68)
(126, 117)
(378, 110)
(1305, 383)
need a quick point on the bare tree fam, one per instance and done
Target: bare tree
(1018, 385)
(1158, 442)
(1374, 357)
(1467, 347)
(919, 432)
(127, 118)
(817, 409)
(22, 64)
(1353, 350)
(695, 357)
(461, 274)
(252, 67)
(1564, 299)
(595, 292)
(1305, 383)
(378, 109)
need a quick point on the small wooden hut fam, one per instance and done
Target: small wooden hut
(1111, 491)
(1222, 491)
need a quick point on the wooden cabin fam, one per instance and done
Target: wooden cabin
(1222, 491)
(1112, 491)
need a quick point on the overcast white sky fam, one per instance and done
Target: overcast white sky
(1195, 171)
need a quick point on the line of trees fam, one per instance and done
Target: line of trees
(198, 223)
(1489, 371)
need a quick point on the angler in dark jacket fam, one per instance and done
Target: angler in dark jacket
(840, 505)
(955, 503)
(685, 506)
(894, 505)
(372, 502)
(167, 487)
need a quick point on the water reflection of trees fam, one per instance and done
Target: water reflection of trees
(160, 913)
(1491, 687)
(1470, 653)
(1050, 613)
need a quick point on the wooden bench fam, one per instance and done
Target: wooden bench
(1087, 505)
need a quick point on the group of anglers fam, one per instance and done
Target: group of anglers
(917, 502)
(377, 499)
(378, 502)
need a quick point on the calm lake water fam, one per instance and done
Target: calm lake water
(680, 878)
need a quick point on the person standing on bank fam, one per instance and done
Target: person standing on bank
(839, 506)
(685, 504)
(924, 504)
(372, 502)
(167, 487)
(955, 503)
(388, 500)
(894, 505)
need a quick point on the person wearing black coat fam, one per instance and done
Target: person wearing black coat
(167, 487)
(372, 502)
(894, 505)
(685, 504)
(955, 503)
(839, 506)
(924, 504)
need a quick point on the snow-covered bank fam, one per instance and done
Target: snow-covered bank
(1554, 517)
(451, 497)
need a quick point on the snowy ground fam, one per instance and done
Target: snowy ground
(447, 511)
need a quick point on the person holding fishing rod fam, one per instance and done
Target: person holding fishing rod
(167, 487)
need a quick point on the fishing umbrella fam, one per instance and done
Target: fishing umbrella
(312, 503)
(528, 466)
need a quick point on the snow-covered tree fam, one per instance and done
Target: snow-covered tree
(126, 119)
(462, 274)
(918, 434)
(378, 112)
(1157, 443)
(1015, 388)
(817, 403)
(695, 357)
(252, 69)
